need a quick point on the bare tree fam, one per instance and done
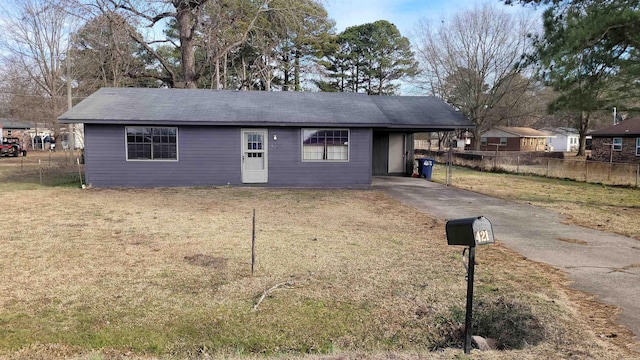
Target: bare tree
(472, 61)
(103, 54)
(190, 18)
(35, 39)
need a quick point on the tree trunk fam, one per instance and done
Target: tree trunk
(217, 74)
(267, 76)
(245, 85)
(224, 72)
(285, 85)
(477, 140)
(185, 19)
(296, 71)
(582, 129)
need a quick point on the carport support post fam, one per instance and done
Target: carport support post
(468, 316)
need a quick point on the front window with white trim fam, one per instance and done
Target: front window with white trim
(152, 143)
(637, 146)
(325, 145)
(617, 144)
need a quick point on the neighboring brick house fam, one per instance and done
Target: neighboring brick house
(618, 143)
(11, 128)
(504, 138)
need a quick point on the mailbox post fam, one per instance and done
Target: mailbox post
(469, 232)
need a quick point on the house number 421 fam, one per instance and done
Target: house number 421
(482, 237)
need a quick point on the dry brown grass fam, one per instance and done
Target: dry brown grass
(146, 273)
(602, 207)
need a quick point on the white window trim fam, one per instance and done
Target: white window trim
(325, 160)
(483, 141)
(505, 141)
(614, 146)
(638, 146)
(126, 147)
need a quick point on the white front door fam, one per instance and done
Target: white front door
(254, 156)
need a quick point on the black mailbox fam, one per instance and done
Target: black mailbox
(469, 232)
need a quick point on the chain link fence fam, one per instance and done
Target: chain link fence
(542, 164)
(47, 168)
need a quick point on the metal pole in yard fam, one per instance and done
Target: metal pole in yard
(79, 172)
(637, 174)
(518, 164)
(40, 168)
(253, 242)
(468, 315)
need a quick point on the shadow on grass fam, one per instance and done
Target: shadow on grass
(511, 324)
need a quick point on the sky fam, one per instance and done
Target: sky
(405, 14)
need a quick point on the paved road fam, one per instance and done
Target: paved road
(604, 266)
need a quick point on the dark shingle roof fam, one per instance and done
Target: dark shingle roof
(12, 124)
(259, 108)
(629, 127)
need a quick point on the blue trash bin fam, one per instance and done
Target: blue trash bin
(427, 168)
(421, 166)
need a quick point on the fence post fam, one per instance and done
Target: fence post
(637, 173)
(518, 165)
(586, 171)
(548, 160)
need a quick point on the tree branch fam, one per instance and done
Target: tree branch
(272, 289)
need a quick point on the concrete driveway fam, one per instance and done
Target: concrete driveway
(600, 263)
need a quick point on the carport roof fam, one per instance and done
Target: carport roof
(261, 108)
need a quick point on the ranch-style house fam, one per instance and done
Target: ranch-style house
(617, 143)
(138, 137)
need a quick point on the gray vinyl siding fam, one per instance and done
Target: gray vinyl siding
(205, 157)
(212, 156)
(286, 167)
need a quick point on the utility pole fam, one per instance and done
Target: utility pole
(71, 129)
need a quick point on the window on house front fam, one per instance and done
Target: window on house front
(531, 141)
(9, 132)
(503, 141)
(524, 142)
(483, 141)
(617, 144)
(637, 146)
(325, 145)
(152, 143)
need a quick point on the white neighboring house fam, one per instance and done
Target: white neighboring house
(566, 139)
